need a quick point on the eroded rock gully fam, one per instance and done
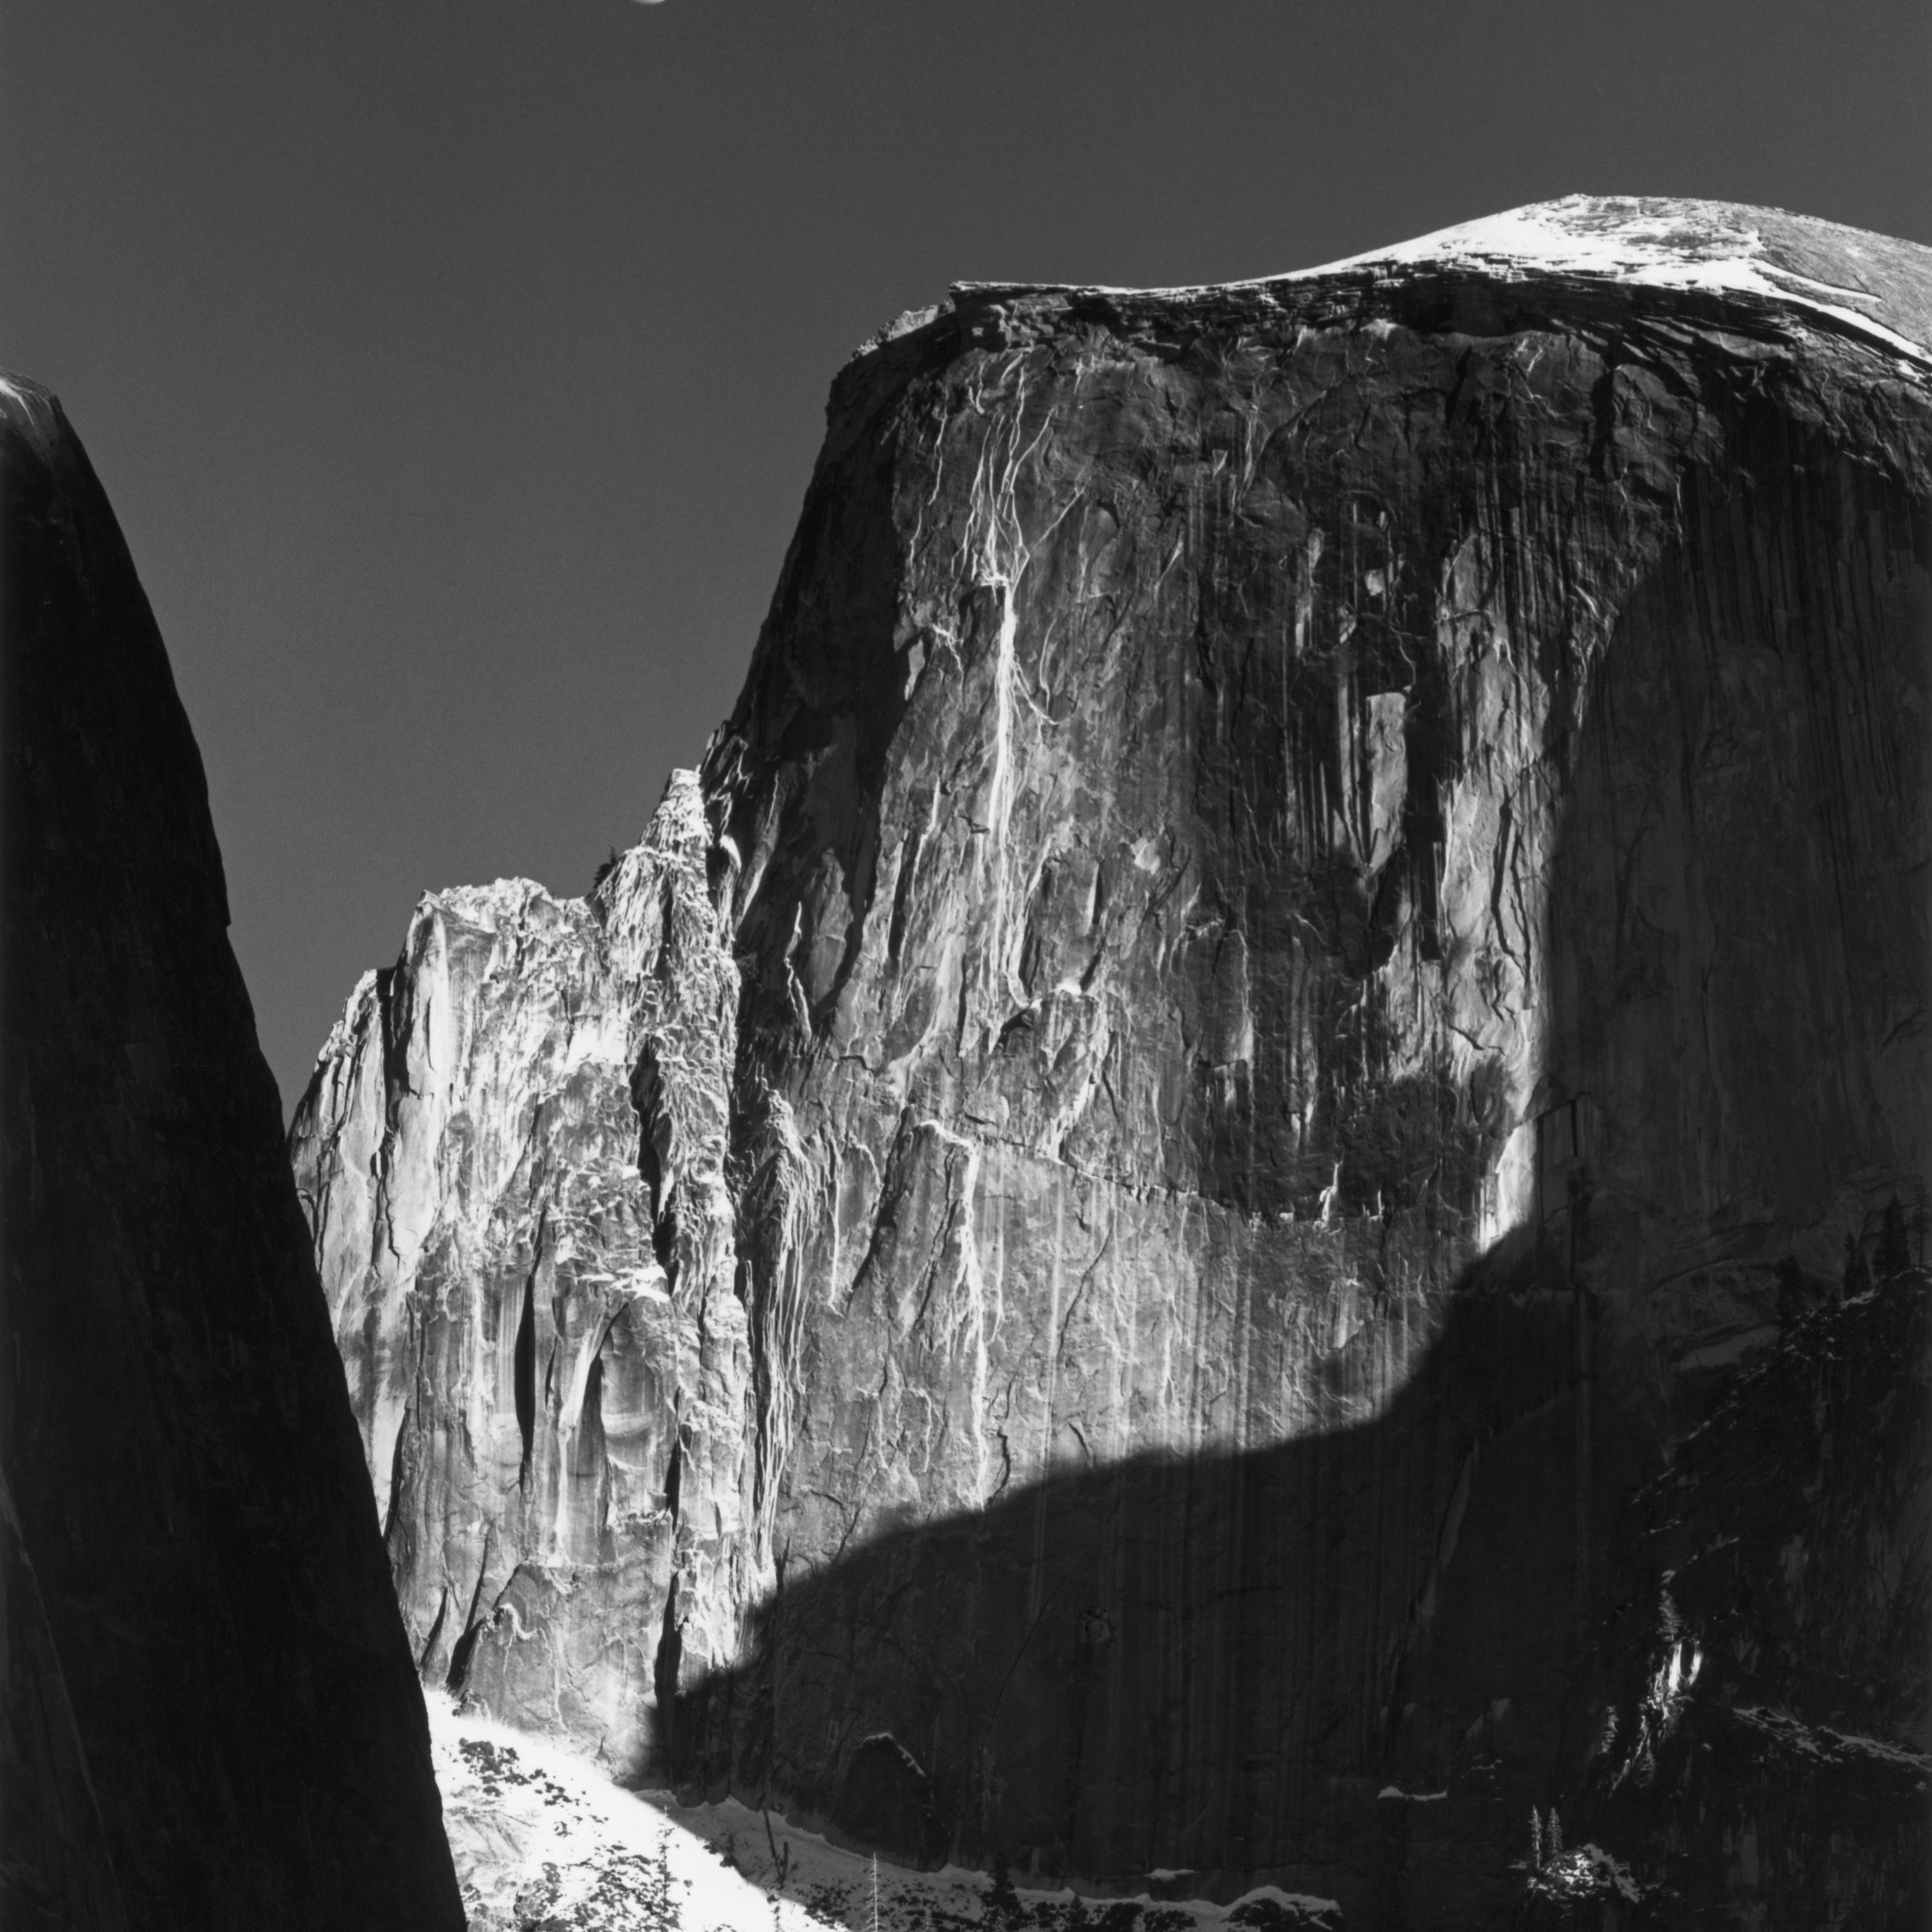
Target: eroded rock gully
(208, 1717)
(1313, 885)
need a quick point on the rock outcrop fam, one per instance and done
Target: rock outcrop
(1314, 885)
(541, 1319)
(209, 1717)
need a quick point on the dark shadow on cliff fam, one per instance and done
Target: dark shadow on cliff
(1216, 1663)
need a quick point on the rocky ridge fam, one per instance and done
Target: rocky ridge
(1314, 883)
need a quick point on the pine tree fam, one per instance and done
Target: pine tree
(1792, 1296)
(875, 1892)
(1535, 1839)
(1895, 1250)
(1858, 1276)
(655, 1889)
(1003, 1902)
(1556, 1835)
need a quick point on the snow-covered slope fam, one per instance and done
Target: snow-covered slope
(1863, 280)
(543, 1839)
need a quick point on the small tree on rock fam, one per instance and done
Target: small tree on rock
(1857, 1275)
(1793, 1296)
(1895, 1248)
(1002, 1901)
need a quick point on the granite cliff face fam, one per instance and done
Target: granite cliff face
(1314, 884)
(207, 1713)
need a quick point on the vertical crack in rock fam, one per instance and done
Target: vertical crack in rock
(435, 1630)
(523, 1371)
(393, 1495)
(670, 1657)
(457, 1676)
(778, 1208)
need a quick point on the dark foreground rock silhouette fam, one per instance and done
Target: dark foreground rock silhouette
(1317, 889)
(210, 1718)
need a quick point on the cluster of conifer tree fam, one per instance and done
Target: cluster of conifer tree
(1895, 1253)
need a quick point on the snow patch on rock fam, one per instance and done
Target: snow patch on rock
(1665, 244)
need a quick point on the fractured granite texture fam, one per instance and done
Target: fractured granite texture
(1312, 885)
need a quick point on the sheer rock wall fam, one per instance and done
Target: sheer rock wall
(1320, 879)
(208, 1715)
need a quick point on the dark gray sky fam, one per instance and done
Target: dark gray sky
(456, 366)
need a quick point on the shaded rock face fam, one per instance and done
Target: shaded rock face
(209, 1715)
(1313, 885)
(1757, 1718)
